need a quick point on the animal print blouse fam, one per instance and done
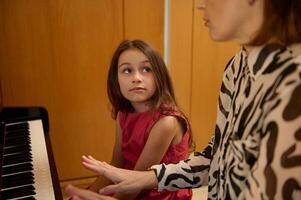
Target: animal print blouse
(255, 152)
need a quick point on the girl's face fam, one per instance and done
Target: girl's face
(136, 79)
(232, 19)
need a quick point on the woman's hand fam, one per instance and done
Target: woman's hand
(126, 181)
(83, 194)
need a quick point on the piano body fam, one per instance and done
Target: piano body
(27, 165)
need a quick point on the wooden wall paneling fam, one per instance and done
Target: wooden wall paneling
(25, 51)
(209, 60)
(87, 34)
(56, 54)
(2, 51)
(1, 101)
(143, 19)
(196, 65)
(180, 55)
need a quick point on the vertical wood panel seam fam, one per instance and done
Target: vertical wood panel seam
(123, 19)
(166, 33)
(1, 94)
(191, 59)
(2, 35)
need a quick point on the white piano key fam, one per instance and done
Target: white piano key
(42, 174)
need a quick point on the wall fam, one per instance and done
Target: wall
(196, 64)
(55, 53)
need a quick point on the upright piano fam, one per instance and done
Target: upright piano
(27, 165)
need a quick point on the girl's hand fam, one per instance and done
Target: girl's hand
(126, 181)
(94, 165)
(83, 194)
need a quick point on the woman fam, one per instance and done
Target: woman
(255, 151)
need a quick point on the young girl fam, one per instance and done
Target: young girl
(150, 127)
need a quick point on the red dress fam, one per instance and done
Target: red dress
(135, 131)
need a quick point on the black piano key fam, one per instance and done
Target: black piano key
(17, 154)
(27, 198)
(17, 158)
(17, 168)
(25, 142)
(18, 192)
(16, 149)
(16, 177)
(18, 126)
(16, 136)
(17, 141)
(17, 180)
(17, 132)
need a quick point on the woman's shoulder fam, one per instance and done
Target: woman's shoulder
(284, 64)
(297, 54)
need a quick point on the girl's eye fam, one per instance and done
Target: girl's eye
(126, 70)
(147, 69)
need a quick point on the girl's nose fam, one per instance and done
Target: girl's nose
(136, 77)
(201, 4)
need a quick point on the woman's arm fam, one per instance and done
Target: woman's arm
(126, 181)
(83, 194)
(194, 171)
(129, 181)
(190, 173)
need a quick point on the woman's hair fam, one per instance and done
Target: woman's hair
(282, 22)
(163, 99)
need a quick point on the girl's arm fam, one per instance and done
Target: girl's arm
(190, 173)
(117, 160)
(163, 134)
(195, 170)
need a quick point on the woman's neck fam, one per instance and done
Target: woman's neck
(248, 48)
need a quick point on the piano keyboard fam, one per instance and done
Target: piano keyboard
(25, 170)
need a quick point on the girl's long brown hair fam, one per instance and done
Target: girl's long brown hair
(163, 98)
